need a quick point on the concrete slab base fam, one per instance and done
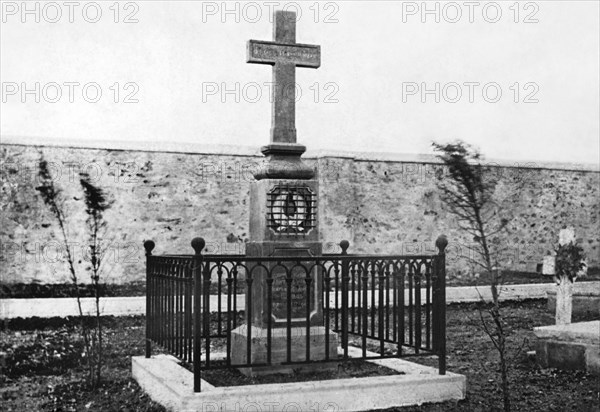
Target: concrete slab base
(575, 346)
(171, 385)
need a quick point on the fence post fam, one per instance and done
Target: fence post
(439, 298)
(198, 244)
(149, 245)
(344, 244)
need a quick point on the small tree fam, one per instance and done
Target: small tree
(95, 206)
(53, 198)
(468, 193)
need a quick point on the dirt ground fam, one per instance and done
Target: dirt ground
(41, 366)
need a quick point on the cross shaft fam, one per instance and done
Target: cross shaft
(284, 54)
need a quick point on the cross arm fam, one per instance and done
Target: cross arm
(266, 52)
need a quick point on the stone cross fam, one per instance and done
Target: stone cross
(284, 54)
(564, 291)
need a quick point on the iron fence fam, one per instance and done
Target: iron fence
(391, 305)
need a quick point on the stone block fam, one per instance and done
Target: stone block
(575, 346)
(562, 355)
(259, 341)
(592, 360)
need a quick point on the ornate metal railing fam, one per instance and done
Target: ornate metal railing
(391, 305)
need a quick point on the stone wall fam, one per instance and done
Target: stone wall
(381, 205)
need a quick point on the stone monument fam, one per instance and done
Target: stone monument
(283, 222)
(563, 299)
(566, 345)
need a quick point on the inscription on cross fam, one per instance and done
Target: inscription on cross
(284, 54)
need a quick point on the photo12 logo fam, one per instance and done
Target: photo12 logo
(69, 92)
(253, 92)
(254, 12)
(454, 92)
(243, 172)
(69, 12)
(55, 252)
(469, 11)
(267, 406)
(71, 171)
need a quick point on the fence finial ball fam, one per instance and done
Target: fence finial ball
(149, 246)
(198, 244)
(344, 244)
(441, 243)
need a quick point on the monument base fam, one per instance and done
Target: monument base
(574, 346)
(239, 340)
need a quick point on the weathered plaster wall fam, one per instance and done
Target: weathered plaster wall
(379, 206)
